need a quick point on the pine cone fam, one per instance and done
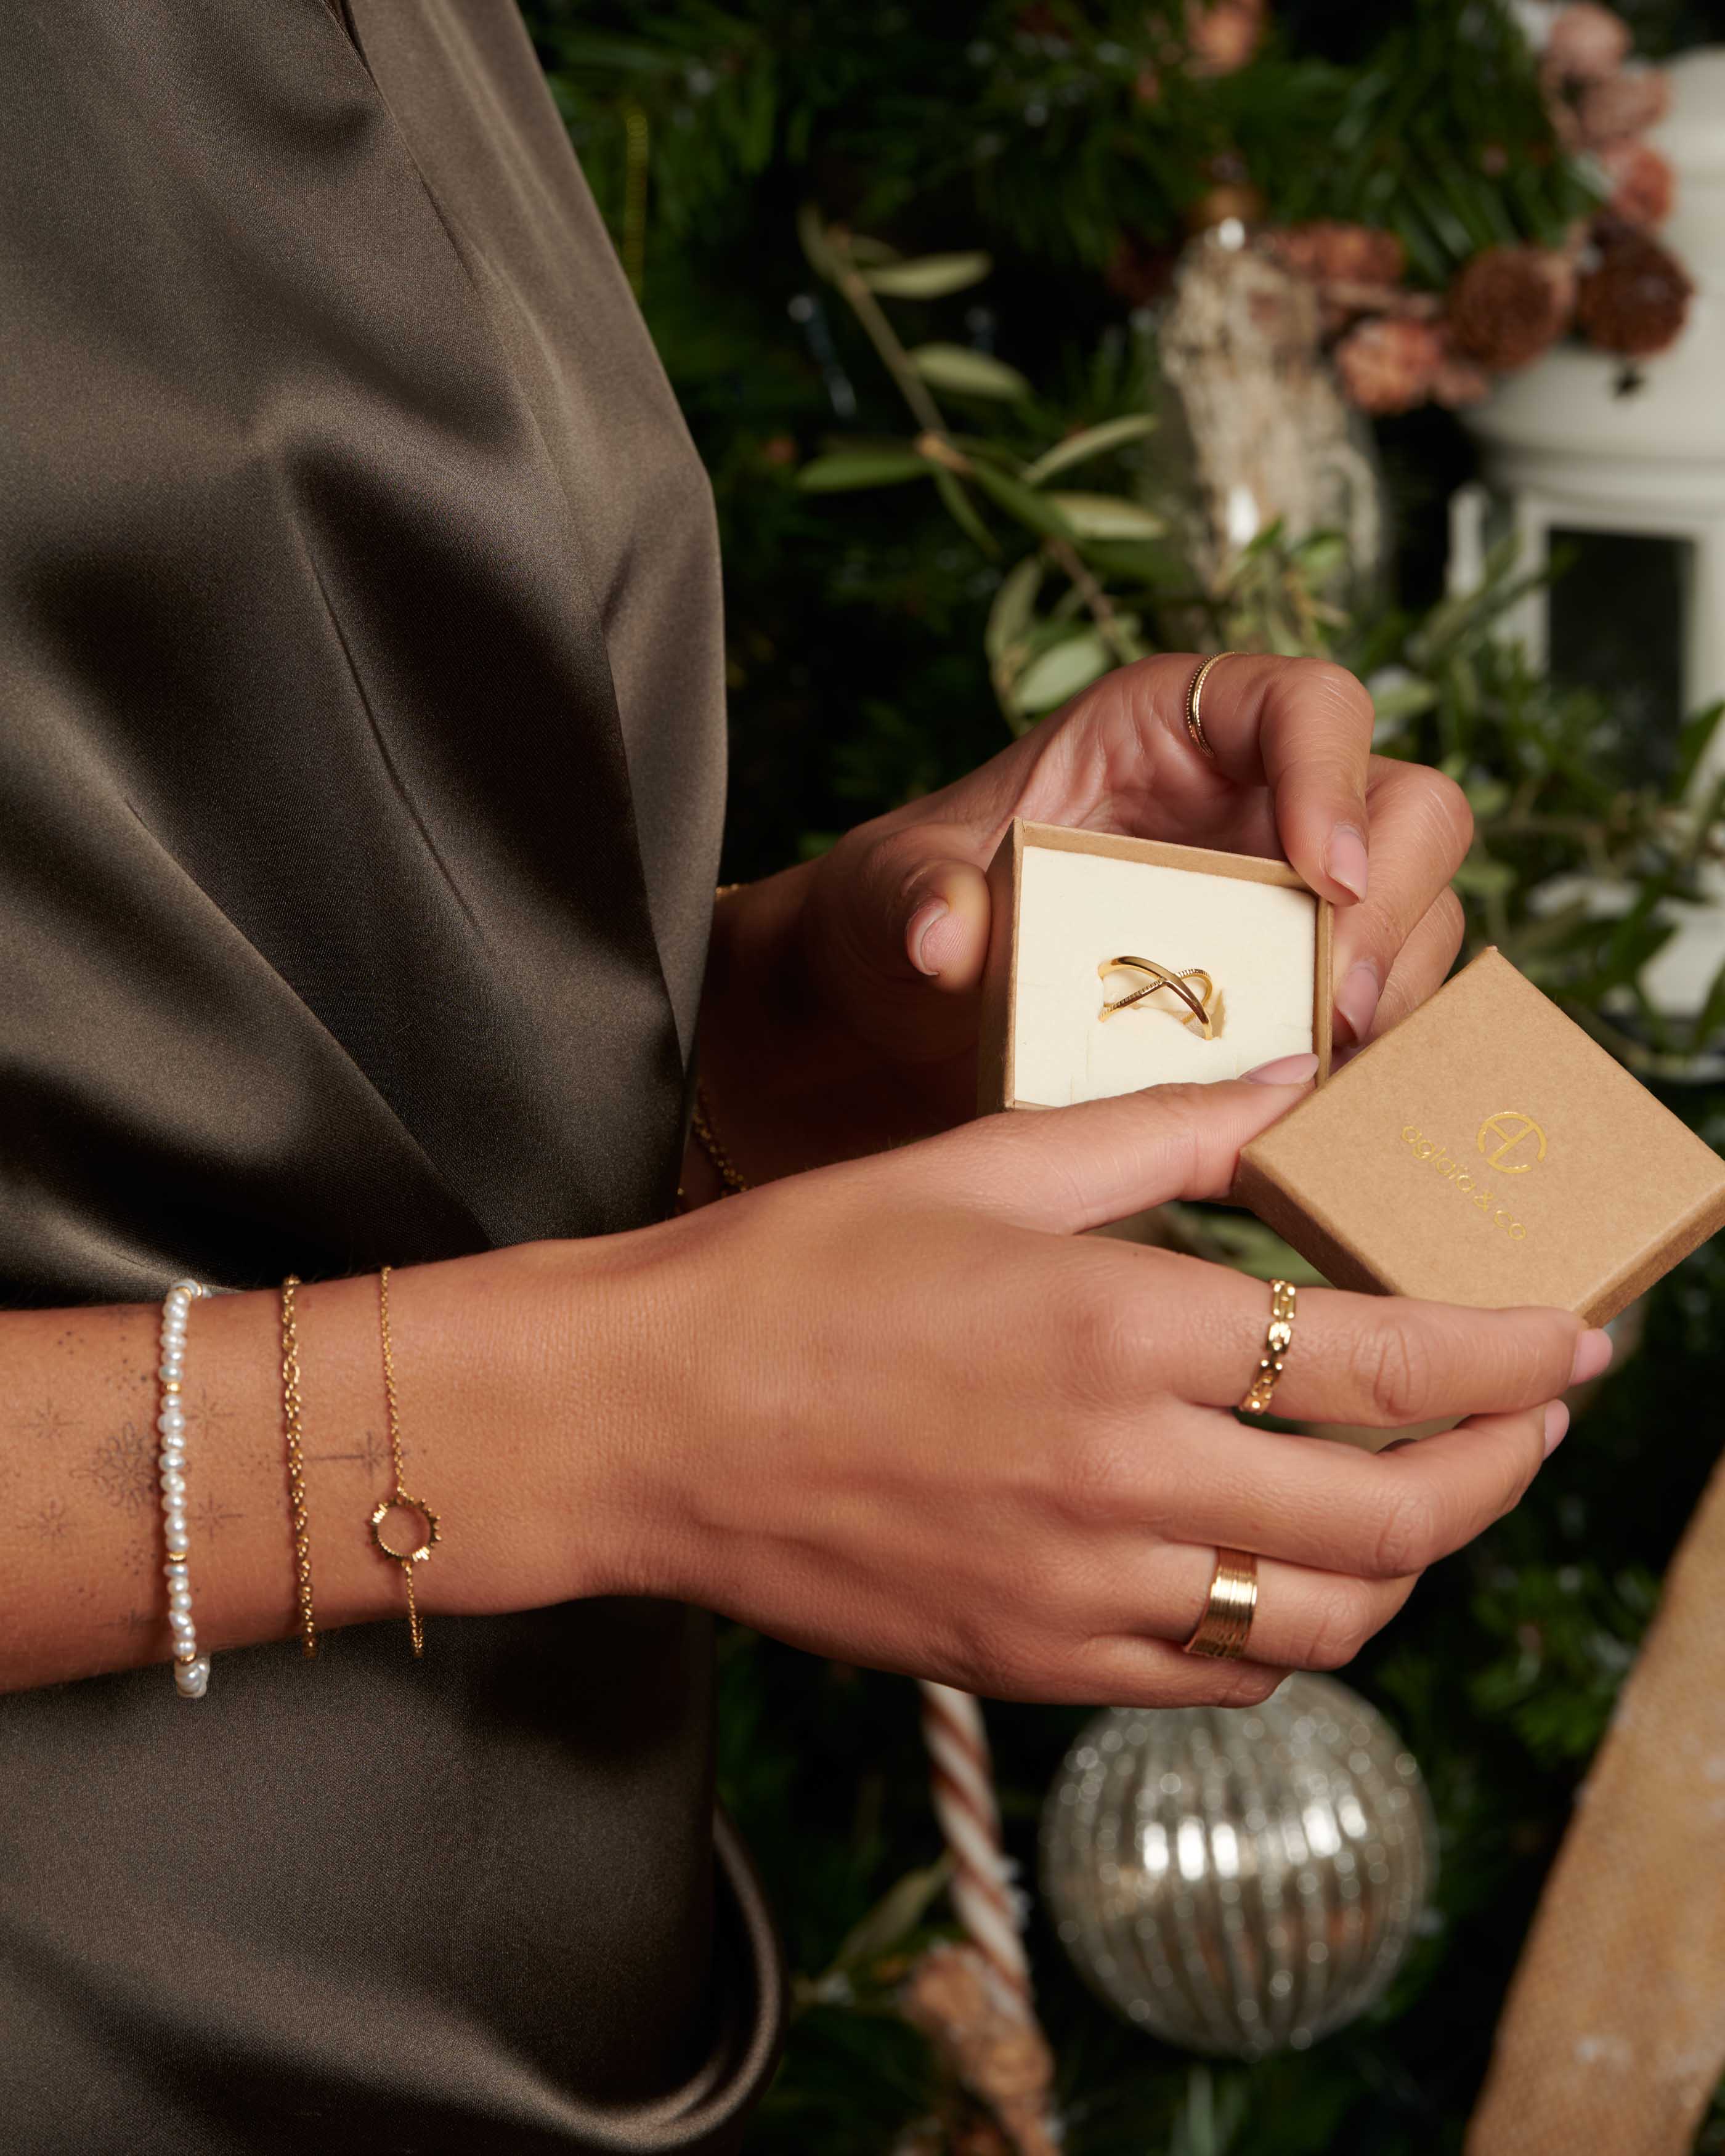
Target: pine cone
(983, 2034)
(1509, 304)
(1627, 104)
(1643, 185)
(1327, 249)
(1388, 365)
(1634, 300)
(1587, 43)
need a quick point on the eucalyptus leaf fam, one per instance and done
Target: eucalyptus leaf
(1487, 797)
(1710, 1023)
(929, 277)
(1092, 442)
(967, 373)
(1038, 512)
(1107, 516)
(1485, 879)
(899, 1909)
(1010, 616)
(1062, 672)
(962, 511)
(1395, 701)
(812, 232)
(1695, 738)
(847, 469)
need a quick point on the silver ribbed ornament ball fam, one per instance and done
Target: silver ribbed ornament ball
(1239, 1880)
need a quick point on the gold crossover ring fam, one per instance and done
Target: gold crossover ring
(1279, 1339)
(1226, 1625)
(1160, 977)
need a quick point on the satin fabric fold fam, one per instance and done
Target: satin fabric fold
(360, 784)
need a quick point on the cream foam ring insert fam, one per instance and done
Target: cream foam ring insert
(1257, 941)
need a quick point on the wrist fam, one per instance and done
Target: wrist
(600, 1347)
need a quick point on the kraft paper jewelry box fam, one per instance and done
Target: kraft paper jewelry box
(1488, 1151)
(1065, 903)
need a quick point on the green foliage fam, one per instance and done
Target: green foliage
(899, 595)
(1066, 126)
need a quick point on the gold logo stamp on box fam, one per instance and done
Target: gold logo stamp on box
(1509, 1129)
(1483, 1199)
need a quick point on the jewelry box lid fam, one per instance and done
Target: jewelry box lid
(1488, 1151)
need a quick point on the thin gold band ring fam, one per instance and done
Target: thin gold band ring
(1194, 693)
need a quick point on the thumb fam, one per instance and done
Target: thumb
(921, 908)
(1066, 1169)
(946, 930)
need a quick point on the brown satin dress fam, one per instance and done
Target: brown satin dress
(360, 788)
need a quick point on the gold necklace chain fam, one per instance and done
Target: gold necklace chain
(731, 1176)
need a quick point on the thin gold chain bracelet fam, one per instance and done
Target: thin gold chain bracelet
(291, 1412)
(398, 1500)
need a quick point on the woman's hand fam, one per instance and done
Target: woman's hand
(902, 1412)
(841, 1010)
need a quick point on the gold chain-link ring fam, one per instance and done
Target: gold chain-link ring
(1226, 1624)
(1195, 695)
(290, 1416)
(1277, 1341)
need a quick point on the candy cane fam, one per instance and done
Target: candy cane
(988, 1906)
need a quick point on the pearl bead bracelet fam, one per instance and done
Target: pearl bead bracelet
(191, 1669)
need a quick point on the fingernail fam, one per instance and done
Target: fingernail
(1592, 1353)
(1557, 1421)
(1285, 1070)
(1345, 860)
(1356, 999)
(916, 935)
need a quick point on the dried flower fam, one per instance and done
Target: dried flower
(1587, 43)
(1328, 249)
(1510, 304)
(1222, 35)
(1237, 199)
(1459, 381)
(1388, 365)
(1643, 185)
(1635, 298)
(1627, 104)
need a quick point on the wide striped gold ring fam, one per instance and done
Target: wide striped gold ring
(1225, 1627)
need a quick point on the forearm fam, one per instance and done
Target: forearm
(485, 1349)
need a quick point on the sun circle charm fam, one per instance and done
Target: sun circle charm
(401, 1502)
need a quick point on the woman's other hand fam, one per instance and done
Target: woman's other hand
(843, 998)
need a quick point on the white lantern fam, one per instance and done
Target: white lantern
(1586, 453)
